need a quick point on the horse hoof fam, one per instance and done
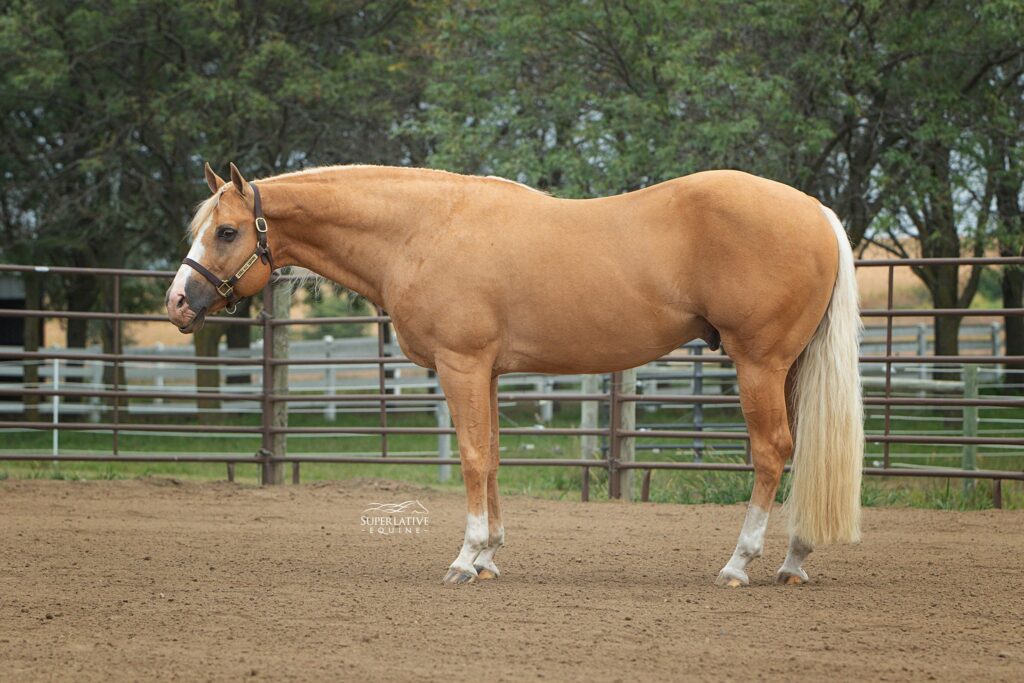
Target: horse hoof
(730, 580)
(458, 577)
(485, 574)
(787, 579)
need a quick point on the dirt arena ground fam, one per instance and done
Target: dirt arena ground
(159, 580)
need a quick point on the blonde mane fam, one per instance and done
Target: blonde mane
(314, 170)
(206, 207)
(203, 211)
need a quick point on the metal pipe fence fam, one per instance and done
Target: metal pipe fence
(273, 427)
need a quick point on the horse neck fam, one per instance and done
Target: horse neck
(350, 224)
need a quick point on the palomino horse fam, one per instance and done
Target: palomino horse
(484, 276)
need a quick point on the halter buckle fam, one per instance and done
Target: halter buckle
(225, 289)
(260, 220)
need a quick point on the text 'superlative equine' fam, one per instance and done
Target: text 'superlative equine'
(483, 276)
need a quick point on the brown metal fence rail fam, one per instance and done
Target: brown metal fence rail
(271, 429)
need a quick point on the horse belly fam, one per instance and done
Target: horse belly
(590, 338)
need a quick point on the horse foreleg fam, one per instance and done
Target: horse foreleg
(466, 382)
(762, 396)
(484, 563)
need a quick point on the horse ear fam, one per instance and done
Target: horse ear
(212, 179)
(238, 180)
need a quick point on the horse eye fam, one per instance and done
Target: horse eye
(226, 233)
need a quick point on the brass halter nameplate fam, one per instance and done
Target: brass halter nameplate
(247, 265)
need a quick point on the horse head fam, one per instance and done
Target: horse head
(229, 258)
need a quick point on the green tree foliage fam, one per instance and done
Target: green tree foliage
(110, 108)
(904, 117)
(886, 112)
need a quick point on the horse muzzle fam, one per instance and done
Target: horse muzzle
(179, 309)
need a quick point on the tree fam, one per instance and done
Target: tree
(872, 108)
(938, 174)
(108, 110)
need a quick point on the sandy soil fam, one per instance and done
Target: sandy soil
(146, 580)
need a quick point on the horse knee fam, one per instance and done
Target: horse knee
(476, 464)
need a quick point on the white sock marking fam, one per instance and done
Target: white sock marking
(795, 556)
(485, 560)
(749, 545)
(473, 543)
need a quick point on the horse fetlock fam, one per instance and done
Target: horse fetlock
(748, 555)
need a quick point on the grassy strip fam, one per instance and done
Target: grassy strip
(551, 482)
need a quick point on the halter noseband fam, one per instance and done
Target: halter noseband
(226, 288)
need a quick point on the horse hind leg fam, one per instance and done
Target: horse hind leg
(791, 573)
(763, 399)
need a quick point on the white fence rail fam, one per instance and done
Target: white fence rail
(328, 378)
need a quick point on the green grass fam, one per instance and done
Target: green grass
(549, 482)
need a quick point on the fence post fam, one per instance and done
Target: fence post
(158, 381)
(614, 440)
(444, 441)
(96, 382)
(922, 351)
(698, 408)
(382, 378)
(547, 407)
(970, 423)
(997, 350)
(627, 445)
(589, 445)
(117, 362)
(276, 297)
(331, 408)
(56, 408)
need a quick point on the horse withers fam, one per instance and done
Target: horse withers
(484, 276)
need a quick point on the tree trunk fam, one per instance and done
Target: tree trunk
(945, 294)
(1013, 297)
(207, 341)
(1009, 175)
(82, 293)
(239, 337)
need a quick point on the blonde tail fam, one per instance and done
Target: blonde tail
(824, 498)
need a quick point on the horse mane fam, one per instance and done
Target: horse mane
(203, 211)
(206, 207)
(313, 170)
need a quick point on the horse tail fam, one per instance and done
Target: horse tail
(824, 497)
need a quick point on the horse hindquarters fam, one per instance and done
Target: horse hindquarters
(822, 400)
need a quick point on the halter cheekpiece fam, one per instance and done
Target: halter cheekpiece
(226, 288)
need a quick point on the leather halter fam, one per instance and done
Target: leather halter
(226, 288)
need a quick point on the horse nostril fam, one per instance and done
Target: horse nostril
(180, 303)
